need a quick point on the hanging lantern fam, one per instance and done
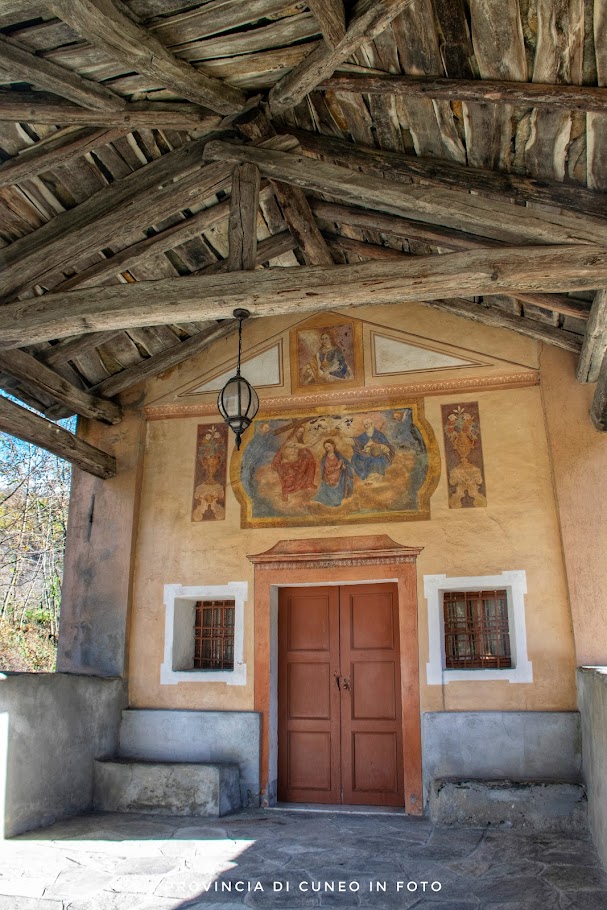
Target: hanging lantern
(238, 401)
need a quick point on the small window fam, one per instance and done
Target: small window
(477, 636)
(214, 635)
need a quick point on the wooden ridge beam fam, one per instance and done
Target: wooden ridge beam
(447, 207)
(331, 17)
(145, 196)
(280, 291)
(499, 185)
(594, 348)
(58, 149)
(41, 432)
(369, 18)
(244, 207)
(581, 98)
(107, 28)
(39, 107)
(40, 378)
(25, 66)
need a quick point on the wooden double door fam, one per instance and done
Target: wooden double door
(339, 695)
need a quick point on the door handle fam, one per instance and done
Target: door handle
(338, 681)
(346, 683)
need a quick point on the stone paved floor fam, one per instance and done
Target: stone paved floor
(135, 862)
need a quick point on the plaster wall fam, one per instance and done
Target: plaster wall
(514, 745)
(579, 458)
(96, 590)
(517, 530)
(52, 728)
(592, 700)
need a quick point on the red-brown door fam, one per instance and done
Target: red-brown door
(339, 706)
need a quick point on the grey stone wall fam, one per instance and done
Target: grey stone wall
(501, 745)
(592, 702)
(52, 728)
(197, 736)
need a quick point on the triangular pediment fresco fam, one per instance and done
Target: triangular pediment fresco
(262, 370)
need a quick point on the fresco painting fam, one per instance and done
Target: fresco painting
(209, 498)
(360, 465)
(326, 352)
(464, 456)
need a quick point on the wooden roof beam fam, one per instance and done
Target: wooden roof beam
(598, 410)
(244, 207)
(499, 185)
(594, 348)
(581, 98)
(369, 18)
(256, 127)
(450, 208)
(39, 107)
(106, 27)
(41, 432)
(58, 149)
(331, 17)
(406, 230)
(280, 291)
(40, 378)
(24, 66)
(144, 197)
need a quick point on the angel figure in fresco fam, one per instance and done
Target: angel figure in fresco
(373, 453)
(336, 476)
(328, 364)
(295, 465)
(462, 432)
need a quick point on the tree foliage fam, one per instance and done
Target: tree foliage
(34, 499)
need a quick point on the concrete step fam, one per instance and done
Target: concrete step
(535, 805)
(167, 788)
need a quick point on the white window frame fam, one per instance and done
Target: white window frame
(179, 609)
(515, 584)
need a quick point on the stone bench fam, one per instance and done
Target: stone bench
(535, 805)
(167, 788)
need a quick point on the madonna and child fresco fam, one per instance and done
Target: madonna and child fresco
(363, 465)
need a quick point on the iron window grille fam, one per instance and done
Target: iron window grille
(477, 635)
(214, 635)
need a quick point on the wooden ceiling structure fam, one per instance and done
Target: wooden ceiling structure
(165, 161)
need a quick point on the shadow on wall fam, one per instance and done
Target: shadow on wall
(52, 728)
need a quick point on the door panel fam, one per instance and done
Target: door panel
(371, 722)
(308, 697)
(339, 704)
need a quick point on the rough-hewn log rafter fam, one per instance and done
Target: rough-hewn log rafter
(594, 348)
(450, 208)
(598, 411)
(292, 201)
(244, 207)
(40, 378)
(500, 185)
(279, 291)
(59, 149)
(39, 107)
(144, 197)
(40, 432)
(108, 29)
(331, 17)
(370, 18)
(24, 66)
(534, 94)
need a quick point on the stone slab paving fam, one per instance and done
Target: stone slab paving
(260, 860)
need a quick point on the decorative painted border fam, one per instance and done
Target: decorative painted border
(172, 594)
(344, 396)
(515, 583)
